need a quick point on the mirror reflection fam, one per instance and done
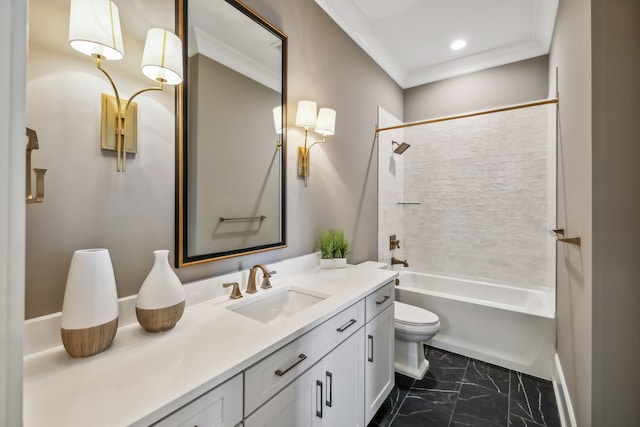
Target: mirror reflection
(231, 144)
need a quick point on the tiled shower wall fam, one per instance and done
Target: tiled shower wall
(479, 197)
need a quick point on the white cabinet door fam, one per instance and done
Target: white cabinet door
(330, 394)
(297, 405)
(379, 367)
(220, 407)
(343, 384)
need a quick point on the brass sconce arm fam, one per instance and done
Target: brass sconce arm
(120, 116)
(304, 154)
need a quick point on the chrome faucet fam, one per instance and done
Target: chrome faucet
(399, 261)
(266, 274)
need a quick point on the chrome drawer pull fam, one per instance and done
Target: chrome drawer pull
(301, 357)
(383, 300)
(346, 325)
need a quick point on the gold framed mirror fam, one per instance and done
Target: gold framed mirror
(230, 133)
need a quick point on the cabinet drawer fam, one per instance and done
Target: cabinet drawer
(264, 379)
(220, 407)
(379, 300)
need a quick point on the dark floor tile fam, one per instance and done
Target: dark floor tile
(404, 382)
(533, 399)
(491, 377)
(392, 403)
(426, 408)
(385, 414)
(459, 391)
(516, 421)
(442, 375)
(445, 358)
(479, 406)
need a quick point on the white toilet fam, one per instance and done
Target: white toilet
(413, 325)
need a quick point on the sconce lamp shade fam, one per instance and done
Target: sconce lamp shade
(326, 123)
(306, 115)
(94, 29)
(277, 119)
(162, 57)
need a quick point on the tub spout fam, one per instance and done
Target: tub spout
(399, 261)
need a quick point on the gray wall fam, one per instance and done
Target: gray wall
(616, 212)
(514, 83)
(89, 205)
(571, 53)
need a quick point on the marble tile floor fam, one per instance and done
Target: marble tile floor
(460, 391)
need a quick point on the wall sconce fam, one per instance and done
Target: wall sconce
(94, 30)
(277, 122)
(32, 144)
(324, 124)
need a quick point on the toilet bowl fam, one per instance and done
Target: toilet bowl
(412, 325)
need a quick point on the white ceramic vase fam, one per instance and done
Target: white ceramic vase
(161, 299)
(90, 307)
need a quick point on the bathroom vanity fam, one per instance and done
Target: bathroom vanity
(316, 349)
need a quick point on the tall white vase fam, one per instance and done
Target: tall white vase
(161, 299)
(90, 307)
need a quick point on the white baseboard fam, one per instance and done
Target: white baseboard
(567, 416)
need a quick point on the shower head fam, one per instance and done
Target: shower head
(402, 147)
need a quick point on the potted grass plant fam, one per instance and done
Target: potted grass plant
(333, 248)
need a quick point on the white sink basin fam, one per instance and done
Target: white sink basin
(277, 304)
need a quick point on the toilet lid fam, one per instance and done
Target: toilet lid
(412, 315)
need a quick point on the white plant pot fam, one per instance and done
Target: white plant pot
(333, 263)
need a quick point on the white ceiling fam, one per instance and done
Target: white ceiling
(410, 39)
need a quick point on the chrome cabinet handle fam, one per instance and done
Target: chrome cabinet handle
(329, 400)
(383, 300)
(346, 325)
(370, 349)
(319, 399)
(301, 357)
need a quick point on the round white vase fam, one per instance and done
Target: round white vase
(90, 308)
(161, 299)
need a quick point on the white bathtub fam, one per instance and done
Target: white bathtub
(504, 325)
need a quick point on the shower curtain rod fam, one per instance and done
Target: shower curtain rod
(477, 113)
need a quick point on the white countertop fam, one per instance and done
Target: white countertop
(143, 376)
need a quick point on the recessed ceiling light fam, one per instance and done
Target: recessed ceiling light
(458, 44)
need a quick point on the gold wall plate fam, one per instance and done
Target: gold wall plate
(108, 124)
(302, 154)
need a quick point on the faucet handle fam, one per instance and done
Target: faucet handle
(266, 283)
(235, 292)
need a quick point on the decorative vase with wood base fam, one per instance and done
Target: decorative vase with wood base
(90, 307)
(161, 299)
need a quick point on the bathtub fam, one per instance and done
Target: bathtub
(504, 325)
